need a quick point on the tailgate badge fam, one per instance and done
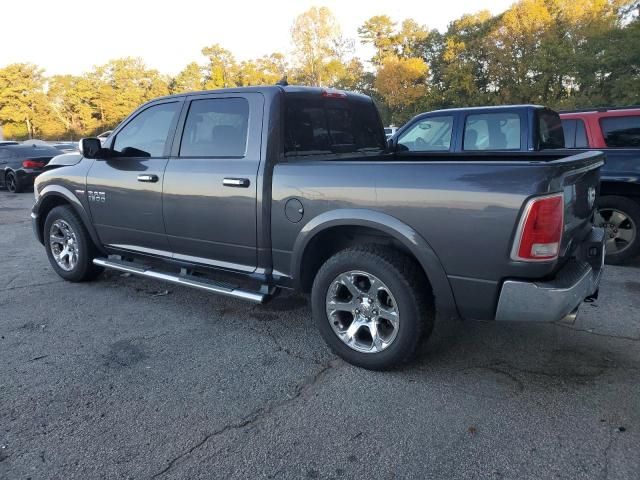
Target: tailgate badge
(591, 196)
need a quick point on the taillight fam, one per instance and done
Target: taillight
(540, 230)
(333, 94)
(32, 164)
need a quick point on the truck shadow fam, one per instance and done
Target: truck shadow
(519, 357)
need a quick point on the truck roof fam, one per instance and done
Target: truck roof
(490, 108)
(267, 89)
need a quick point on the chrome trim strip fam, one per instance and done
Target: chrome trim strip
(209, 287)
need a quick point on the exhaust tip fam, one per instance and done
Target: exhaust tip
(570, 318)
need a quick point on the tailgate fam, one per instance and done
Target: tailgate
(578, 177)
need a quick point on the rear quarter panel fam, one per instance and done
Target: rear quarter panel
(465, 211)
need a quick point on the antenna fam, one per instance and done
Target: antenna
(283, 82)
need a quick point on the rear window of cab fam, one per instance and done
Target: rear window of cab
(331, 126)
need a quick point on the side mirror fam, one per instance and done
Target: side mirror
(390, 145)
(90, 147)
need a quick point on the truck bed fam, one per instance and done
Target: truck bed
(465, 207)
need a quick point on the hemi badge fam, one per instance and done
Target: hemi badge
(80, 192)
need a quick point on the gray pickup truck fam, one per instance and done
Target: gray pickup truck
(245, 191)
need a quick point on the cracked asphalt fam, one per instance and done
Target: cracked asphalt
(115, 379)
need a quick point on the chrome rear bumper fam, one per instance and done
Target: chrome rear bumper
(552, 300)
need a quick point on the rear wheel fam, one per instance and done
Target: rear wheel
(69, 246)
(372, 306)
(620, 217)
(13, 183)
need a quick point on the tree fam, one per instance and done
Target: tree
(266, 70)
(379, 32)
(190, 79)
(21, 98)
(73, 102)
(401, 83)
(123, 84)
(411, 39)
(318, 46)
(221, 70)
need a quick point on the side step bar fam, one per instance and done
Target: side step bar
(186, 280)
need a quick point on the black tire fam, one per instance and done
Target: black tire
(84, 269)
(408, 287)
(13, 183)
(631, 210)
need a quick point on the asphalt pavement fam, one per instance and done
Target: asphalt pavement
(128, 378)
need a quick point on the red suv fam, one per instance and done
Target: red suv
(616, 131)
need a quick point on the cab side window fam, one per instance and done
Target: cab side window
(492, 131)
(216, 127)
(146, 135)
(431, 134)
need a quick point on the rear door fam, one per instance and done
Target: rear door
(210, 183)
(125, 192)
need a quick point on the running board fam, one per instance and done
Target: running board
(187, 280)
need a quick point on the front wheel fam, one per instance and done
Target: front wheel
(69, 246)
(372, 306)
(620, 217)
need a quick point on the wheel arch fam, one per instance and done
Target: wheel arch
(620, 189)
(333, 231)
(53, 196)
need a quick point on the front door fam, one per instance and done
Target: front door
(124, 192)
(210, 186)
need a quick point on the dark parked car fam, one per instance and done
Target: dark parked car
(244, 191)
(615, 131)
(21, 163)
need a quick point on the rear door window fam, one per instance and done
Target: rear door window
(581, 135)
(621, 132)
(216, 127)
(332, 125)
(569, 127)
(492, 131)
(432, 134)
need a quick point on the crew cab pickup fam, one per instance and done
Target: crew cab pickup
(246, 191)
(616, 131)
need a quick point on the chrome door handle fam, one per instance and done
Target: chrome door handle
(147, 178)
(236, 182)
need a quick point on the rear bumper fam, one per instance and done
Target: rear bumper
(28, 175)
(552, 300)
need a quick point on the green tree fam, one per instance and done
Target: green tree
(222, 69)
(379, 32)
(190, 79)
(402, 85)
(266, 70)
(121, 86)
(22, 99)
(318, 47)
(72, 102)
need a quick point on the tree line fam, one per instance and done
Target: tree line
(560, 53)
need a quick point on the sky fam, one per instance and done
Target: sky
(71, 36)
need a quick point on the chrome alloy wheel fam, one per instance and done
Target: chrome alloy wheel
(362, 311)
(620, 229)
(64, 245)
(12, 182)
